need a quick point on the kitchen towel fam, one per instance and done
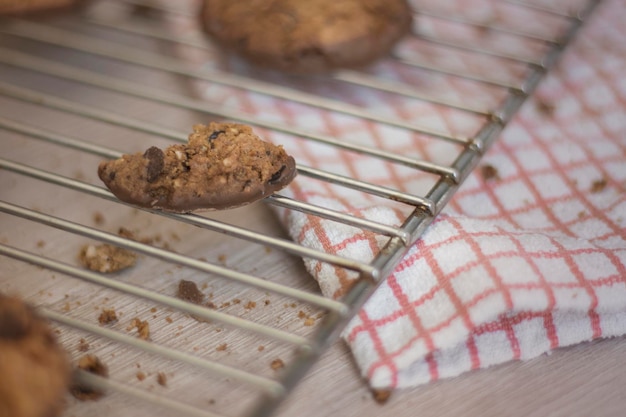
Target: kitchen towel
(530, 254)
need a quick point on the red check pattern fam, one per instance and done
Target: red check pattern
(527, 262)
(520, 263)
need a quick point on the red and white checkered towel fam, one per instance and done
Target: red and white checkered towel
(520, 263)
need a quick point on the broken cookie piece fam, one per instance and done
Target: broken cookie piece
(223, 165)
(106, 258)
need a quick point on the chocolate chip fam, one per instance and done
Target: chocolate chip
(215, 134)
(155, 159)
(276, 176)
(112, 175)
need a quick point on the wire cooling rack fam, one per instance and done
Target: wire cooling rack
(77, 88)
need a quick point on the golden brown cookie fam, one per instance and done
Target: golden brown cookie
(307, 36)
(34, 370)
(32, 6)
(223, 165)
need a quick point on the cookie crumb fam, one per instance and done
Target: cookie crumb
(545, 107)
(489, 172)
(162, 379)
(106, 258)
(250, 305)
(222, 347)
(98, 218)
(107, 316)
(277, 364)
(83, 345)
(188, 291)
(92, 364)
(222, 259)
(598, 185)
(143, 328)
(261, 348)
(381, 396)
(140, 375)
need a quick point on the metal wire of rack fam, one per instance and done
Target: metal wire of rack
(67, 54)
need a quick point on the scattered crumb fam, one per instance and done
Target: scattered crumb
(175, 236)
(106, 258)
(598, 185)
(225, 304)
(162, 379)
(266, 302)
(98, 218)
(143, 328)
(140, 375)
(489, 172)
(222, 258)
(381, 396)
(107, 316)
(261, 348)
(126, 233)
(222, 347)
(277, 364)
(308, 320)
(268, 249)
(66, 307)
(545, 107)
(188, 291)
(250, 305)
(293, 305)
(41, 243)
(153, 310)
(582, 214)
(211, 401)
(83, 345)
(92, 364)
(169, 319)
(236, 301)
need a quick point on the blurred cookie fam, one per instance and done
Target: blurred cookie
(31, 6)
(35, 370)
(223, 165)
(307, 36)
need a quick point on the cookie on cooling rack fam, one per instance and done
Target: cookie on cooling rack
(34, 370)
(14, 7)
(223, 165)
(307, 36)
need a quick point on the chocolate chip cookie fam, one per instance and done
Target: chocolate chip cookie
(34, 369)
(307, 36)
(223, 165)
(31, 6)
